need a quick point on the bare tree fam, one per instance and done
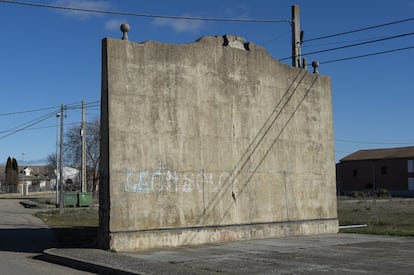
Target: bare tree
(51, 160)
(73, 151)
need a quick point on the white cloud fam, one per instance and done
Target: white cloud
(114, 24)
(238, 12)
(179, 25)
(82, 4)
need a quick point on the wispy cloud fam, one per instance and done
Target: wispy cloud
(82, 4)
(114, 24)
(238, 12)
(179, 25)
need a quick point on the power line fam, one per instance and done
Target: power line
(29, 111)
(29, 122)
(341, 42)
(147, 14)
(75, 106)
(87, 105)
(374, 143)
(276, 37)
(356, 44)
(366, 55)
(34, 122)
(359, 30)
(44, 127)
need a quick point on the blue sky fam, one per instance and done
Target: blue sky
(50, 57)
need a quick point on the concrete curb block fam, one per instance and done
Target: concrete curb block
(51, 255)
(29, 203)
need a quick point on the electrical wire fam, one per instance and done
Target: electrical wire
(76, 104)
(366, 55)
(373, 143)
(359, 30)
(355, 44)
(28, 111)
(29, 124)
(45, 127)
(33, 122)
(147, 14)
(341, 42)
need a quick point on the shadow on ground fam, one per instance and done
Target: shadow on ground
(76, 237)
(27, 239)
(35, 240)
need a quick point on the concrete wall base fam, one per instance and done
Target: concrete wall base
(173, 237)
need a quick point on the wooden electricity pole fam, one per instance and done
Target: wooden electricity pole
(296, 37)
(61, 202)
(83, 136)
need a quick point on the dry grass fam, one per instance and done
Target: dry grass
(76, 227)
(71, 217)
(384, 217)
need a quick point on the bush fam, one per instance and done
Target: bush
(382, 193)
(357, 194)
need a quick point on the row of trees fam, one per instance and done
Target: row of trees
(73, 152)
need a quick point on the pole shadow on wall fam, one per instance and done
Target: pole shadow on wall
(256, 142)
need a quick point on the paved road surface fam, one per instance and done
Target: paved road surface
(22, 237)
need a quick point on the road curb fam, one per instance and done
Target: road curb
(53, 256)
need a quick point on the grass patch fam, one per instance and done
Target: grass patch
(76, 227)
(384, 217)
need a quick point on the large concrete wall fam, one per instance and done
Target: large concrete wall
(212, 141)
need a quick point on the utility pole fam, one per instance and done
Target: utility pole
(83, 136)
(62, 114)
(57, 160)
(296, 37)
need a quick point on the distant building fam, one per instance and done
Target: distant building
(368, 170)
(39, 178)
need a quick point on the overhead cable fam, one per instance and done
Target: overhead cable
(374, 143)
(366, 55)
(147, 14)
(354, 45)
(28, 111)
(359, 30)
(33, 122)
(75, 106)
(29, 122)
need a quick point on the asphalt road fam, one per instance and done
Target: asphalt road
(22, 238)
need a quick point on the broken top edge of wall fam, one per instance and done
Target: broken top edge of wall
(227, 41)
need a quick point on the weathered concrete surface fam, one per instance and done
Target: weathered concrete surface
(212, 141)
(322, 254)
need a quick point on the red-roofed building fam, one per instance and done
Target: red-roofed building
(369, 170)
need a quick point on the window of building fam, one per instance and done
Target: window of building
(355, 173)
(410, 166)
(369, 186)
(411, 184)
(383, 170)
